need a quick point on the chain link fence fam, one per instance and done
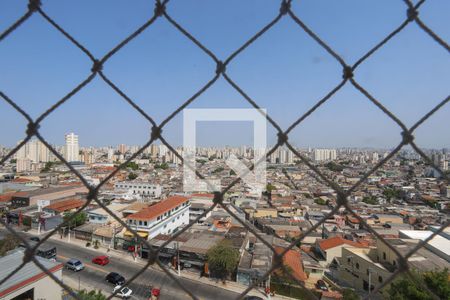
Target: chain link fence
(348, 78)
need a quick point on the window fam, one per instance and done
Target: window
(357, 266)
(367, 272)
(145, 223)
(348, 259)
(140, 223)
(394, 262)
(380, 279)
(384, 255)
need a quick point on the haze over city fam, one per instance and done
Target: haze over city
(284, 71)
(143, 171)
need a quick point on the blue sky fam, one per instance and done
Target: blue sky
(284, 71)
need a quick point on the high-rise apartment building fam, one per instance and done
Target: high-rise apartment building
(122, 148)
(71, 150)
(324, 154)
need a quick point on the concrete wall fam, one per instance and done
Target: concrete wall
(45, 288)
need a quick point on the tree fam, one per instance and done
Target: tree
(320, 201)
(390, 193)
(80, 219)
(92, 295)
(405, 288)
(222, 259)
(270, 187)
(349, 294)
(370, 200)
(48, 166)
(332, 166)
(133, 166)
(438, 282)
(132, 176)
(8, 243)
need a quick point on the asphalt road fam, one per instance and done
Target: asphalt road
(94, 275)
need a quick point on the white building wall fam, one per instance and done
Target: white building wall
(45, 288)
(165, 226)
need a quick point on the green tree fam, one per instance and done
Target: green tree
(222, 259)
(80, 219)
(332, 166)
(8, 243)
(270, 187)
(405, 288)
(217, 170)
(349, 294)
(133, 166)
(320, 201)
(438, 282)
(163, 166)
(391, 193)
(92, 295)
(48, 166)
(370, 200)
(132, 176)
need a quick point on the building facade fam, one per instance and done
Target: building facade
(164, 217)
(71, 150)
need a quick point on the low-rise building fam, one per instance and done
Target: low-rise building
(164, 217)
(30, 282)
(145, 189)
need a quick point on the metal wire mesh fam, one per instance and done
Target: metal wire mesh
(348, 77)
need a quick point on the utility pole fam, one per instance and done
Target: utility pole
(178, 259)
(68, 230)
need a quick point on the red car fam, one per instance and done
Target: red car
(101, 260)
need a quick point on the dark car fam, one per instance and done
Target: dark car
(35, 239)
(115, 278)
(320, 284)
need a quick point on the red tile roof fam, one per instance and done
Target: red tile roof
(337, 241)
(6, 197)
(21, 180)
(293, 259)
(65, 205)
(158, 209)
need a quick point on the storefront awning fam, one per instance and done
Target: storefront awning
(142, 234)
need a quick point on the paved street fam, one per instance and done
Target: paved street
(94, 276)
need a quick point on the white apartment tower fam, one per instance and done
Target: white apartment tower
(324, 154)
(71, 150)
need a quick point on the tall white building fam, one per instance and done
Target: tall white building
(71, 150)
(324, 154)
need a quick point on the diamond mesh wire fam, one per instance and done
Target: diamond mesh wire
(348, 77)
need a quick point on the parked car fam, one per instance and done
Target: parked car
(101, 260)
(320, 284)
(74, 264)
(115, 278)
(35, 239)
(154, 293)
(123, 291)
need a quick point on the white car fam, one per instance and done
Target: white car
(124, 292)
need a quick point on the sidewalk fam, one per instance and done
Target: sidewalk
(122, 255)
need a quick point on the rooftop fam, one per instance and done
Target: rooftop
(28, 274)
(159, 208)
